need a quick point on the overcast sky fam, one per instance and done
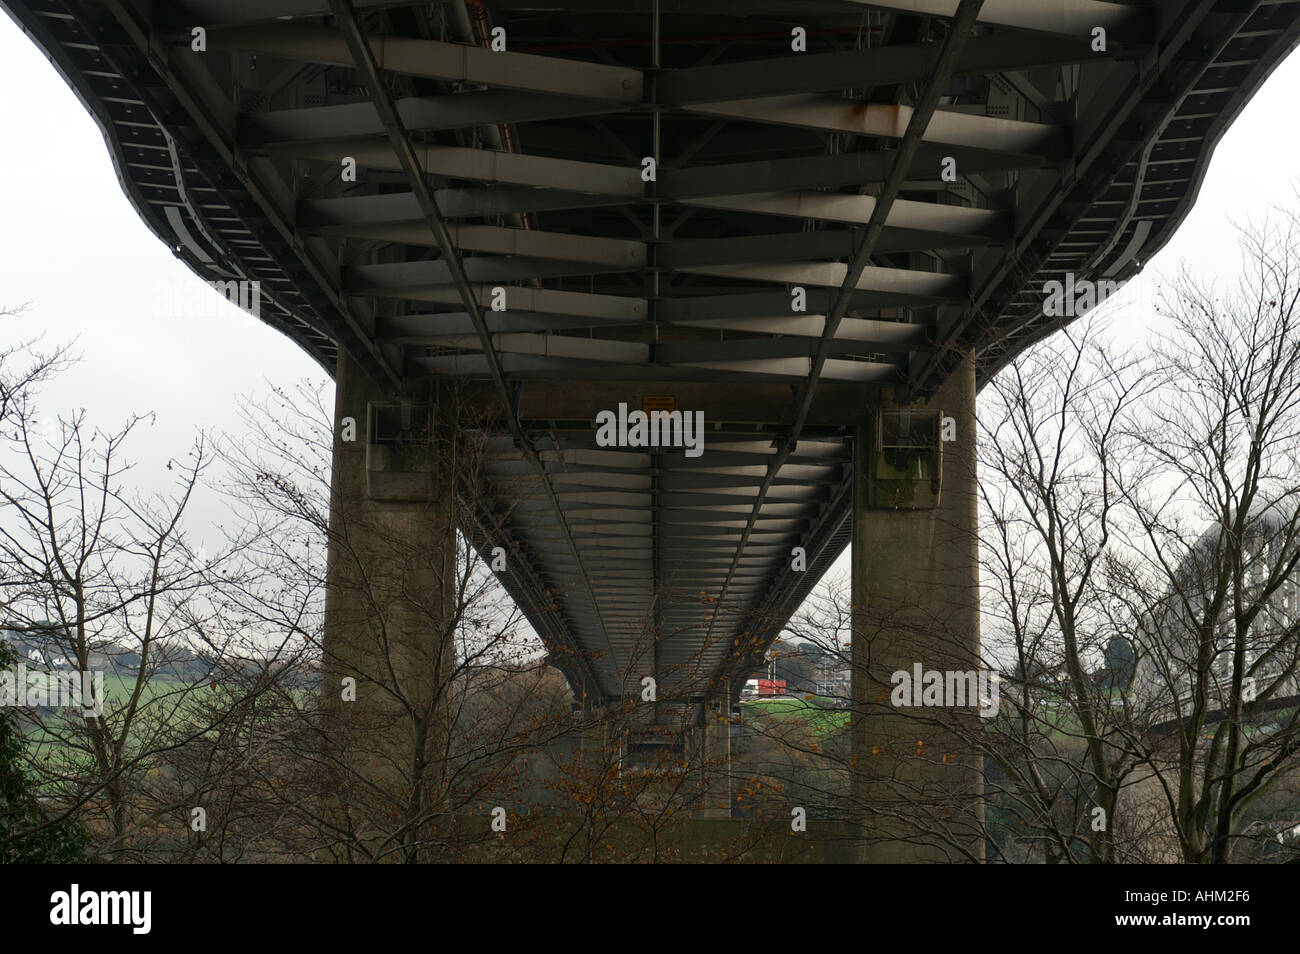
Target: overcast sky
(72, 246)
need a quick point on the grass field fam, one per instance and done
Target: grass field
(161, 697)
(818, 711)
(117, 690)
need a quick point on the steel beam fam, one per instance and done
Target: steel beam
(423, 329)
(392, 279)
(436, 60)
(1066, 17)
(532, 243)
(858, 210)
(207, 12)
(455, 111)
(920, 118)
(362, 55)
(554, 346)
(799, 368)
(766, 304)
(738, 349)
(802, 246)
(483, 165)
(455, 203)
(832, 114)
(824, 172)
(534, 300)
(866, 68)
(929, 286)
(881, 335)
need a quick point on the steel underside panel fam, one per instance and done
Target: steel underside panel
(1068, 160)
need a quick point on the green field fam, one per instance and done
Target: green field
(160, 697)
(817, 711)
(117, 690)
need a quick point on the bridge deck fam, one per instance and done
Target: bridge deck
(523, 169)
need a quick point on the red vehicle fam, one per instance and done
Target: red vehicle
(763, 687)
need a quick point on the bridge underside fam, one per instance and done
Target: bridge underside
(784, 214)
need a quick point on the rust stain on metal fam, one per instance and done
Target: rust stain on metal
(867, 117)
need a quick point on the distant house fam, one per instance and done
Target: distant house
(835, 684)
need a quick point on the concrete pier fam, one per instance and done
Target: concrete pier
(916, 787)
(714, 739)
(391, 596)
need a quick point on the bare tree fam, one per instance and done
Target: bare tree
(1052, 426)
(371, 767)
(1214, 492)
(1140, 545)
(23, 366)
(102, 586)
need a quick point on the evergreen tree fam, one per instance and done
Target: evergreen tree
(26, 834)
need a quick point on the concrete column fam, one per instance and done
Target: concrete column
(917, 788)
(714, 747)
(600, 745)
(390, 600)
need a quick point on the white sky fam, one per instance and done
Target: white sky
(72, 246)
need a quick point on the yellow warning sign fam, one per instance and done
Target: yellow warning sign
(658, 402)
